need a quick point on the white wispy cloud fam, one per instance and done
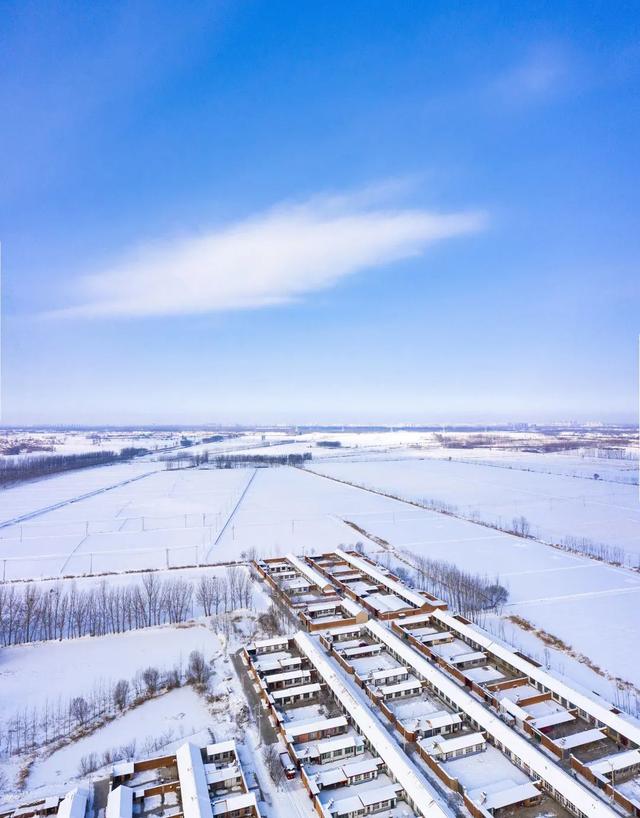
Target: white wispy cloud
(273, 258)
(543, 72)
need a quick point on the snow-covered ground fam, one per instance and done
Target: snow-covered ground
(486, 770)
(590, 606)
(196, 515)
(178, 714)
(556, 505)
(35, 495)
(165, 518)
(43, 672)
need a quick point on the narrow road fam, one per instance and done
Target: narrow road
(267, 732)
(231, 515)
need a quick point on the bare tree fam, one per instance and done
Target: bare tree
(198, 671)
(79, 709)
(272, 762)
(150, 677)
(121, 694)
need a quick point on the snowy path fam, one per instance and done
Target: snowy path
(232, 514)
(40, 511)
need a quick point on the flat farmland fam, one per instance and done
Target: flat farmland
(166, 518)
(556, 505)
(590, 605)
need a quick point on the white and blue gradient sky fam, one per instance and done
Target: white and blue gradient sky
(271, 211)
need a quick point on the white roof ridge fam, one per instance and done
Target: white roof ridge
(491, 722)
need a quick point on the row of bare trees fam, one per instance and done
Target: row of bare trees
(217, 594)
(28, 467)
(465, 592)
(35, 726)
(187, 459)
(613, 554)
(31, 613)
(521, 527)
(133, 749)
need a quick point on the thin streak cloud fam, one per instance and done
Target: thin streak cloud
(545, 72)
(273, 258)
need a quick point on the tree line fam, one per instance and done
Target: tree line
(30, 613)
(29, 467)
(183, 460)
(36, 726)
(464, 592)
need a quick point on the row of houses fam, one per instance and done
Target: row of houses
(193, 782)
(199, 782)
(375, 589)
(72, 805)
(577, 730)
(555, 740)
(350, 765)
(308, 593)
(441, 729)
(551, 776)
(465, 725)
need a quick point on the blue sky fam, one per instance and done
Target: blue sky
(336, 212)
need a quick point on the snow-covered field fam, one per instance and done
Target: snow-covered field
(28, 498)
(183, 517)
(36, 674)
(591, 606)
(165, 518)
(556, 505)
(45, 677)
(178, 714)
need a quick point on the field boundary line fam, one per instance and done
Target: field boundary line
(529, 538)
(39, 512)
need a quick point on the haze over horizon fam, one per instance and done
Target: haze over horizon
(361, 213)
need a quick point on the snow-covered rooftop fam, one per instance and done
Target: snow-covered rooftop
(351, 607)
(385, 673)
(581, 739)
(364, 799)
(325, 605)
(120, 803)
(341, 774)
(401, 687)
(386, 602)
(307, 571)
(552, 719)
(398, 764)
(505, 797)
(194, 789)
(442, 718)
(461, 658)
(615, 763)
(490, 722)
(304, 727)
(452, 745)
(380, 577)
(269, 643)
(330, 745)
(287, 676)
(344, 629)
(301, 690)
(215, 775)
(232, 803)
(596, 709)
(220, 748)
(435, 636)
(74, 804)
